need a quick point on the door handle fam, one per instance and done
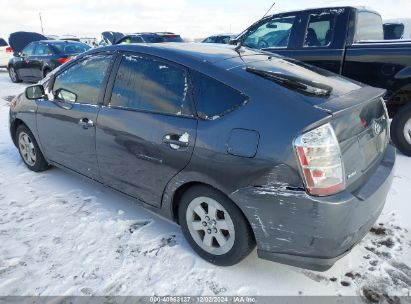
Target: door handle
(86, 123)
(176, 141)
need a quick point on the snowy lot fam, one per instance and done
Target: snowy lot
(64, 235)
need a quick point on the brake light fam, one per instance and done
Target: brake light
(319, 157)
(9, 50)
(63, 60)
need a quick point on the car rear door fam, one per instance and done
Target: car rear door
(41, 53)
(321, 41)
(66, 120)
(146, 129)
(22, 62)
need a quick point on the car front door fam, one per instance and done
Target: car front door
(66, 119)
(146, 129)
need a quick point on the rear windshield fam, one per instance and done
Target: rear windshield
(152, 38)
(69, 47)
(295, 69)
(171, 38)
(3, 42)
(393, 31)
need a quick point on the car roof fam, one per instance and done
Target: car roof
(184, 53)
(359, 8)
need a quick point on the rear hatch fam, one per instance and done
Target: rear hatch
(19, 40)
(361, 124)
(359, 116)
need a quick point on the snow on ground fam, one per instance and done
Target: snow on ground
(61, 234)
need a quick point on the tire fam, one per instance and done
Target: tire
(29, 150)
(202, 227)
(13, 75)
(401, 129)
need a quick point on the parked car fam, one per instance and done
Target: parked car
(347, 41)
(219, 38)
(6, 52)
(110, 38)
(150, 38)
(236, 147)
(39, 58)
(397, 29)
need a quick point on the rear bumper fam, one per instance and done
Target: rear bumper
(294, 228)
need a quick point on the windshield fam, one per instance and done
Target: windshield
(69, 47)
(274, 33)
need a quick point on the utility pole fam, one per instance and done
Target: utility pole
(41, 23)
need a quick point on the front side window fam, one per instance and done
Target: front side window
(214, 99)
(29, 50)
(275, 33)
(148, 84)
(82, 82)
(369, 27)
(320, 29)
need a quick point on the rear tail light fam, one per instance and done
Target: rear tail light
(64, 60)
(319, 157)
(9, 50)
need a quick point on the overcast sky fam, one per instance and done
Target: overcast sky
(190, 18)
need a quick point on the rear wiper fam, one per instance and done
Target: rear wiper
(295, 83)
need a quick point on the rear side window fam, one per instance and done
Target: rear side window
(214, 99)
(82, 82)
(41, 49)
(148, 84)
(369, 27)
(28, 50)
(3, 42)
(320, 29)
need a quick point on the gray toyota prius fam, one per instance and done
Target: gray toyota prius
(239, 147)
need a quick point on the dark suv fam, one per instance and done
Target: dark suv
(156, 37)
(39, 58)
(235, 145)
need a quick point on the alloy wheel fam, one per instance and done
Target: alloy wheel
(27, 149)
(407, 131)
(13, 74)
(210, 225)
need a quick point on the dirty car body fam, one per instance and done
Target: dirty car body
(249, 150)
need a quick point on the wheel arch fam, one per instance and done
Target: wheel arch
(183, 187)
(400, 98)
(13, 128)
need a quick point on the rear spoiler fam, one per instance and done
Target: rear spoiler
(351, 100)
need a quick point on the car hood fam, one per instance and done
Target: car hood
(19, 40)
(112, 37)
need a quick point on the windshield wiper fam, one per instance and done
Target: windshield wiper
(295, 83)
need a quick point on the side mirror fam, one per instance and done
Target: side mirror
(233, 42)
(35, 92)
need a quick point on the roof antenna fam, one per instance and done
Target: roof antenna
(241, 41)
